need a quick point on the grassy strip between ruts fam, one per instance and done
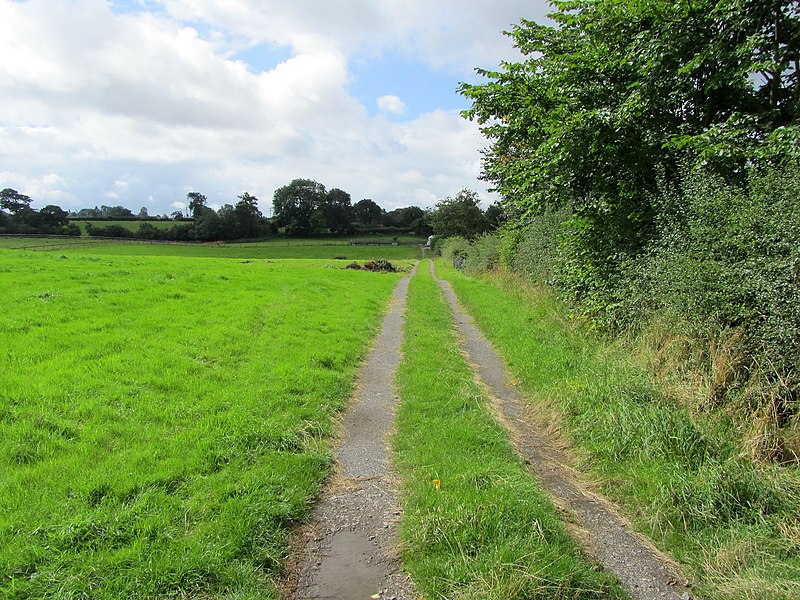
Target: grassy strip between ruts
(733, 523)
(163, 420)
(475, 524)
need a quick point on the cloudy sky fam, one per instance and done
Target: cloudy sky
(137, 102)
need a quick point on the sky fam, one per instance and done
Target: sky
(138, 102)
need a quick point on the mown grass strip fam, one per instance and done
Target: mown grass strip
(682, 478)
(163, 421)
(475, 524)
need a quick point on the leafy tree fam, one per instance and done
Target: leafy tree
(367, 212)
(11, 200)
(337, 211)
(197, 204)
(403, 217)
(495, 215)
(294, 204)
(208, 226)
(248, 217)
(116, 212)
(52, 217)
(460, 216)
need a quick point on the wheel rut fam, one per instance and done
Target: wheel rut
(350, 549)
(643, 571)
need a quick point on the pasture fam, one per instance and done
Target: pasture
(319, 248)
(163, 417)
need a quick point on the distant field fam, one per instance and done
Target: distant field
(162, 417)
(272, 249)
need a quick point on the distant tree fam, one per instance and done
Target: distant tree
(367, 212)
(116, 212)
(248, 217)
(207, 227)
(52, 217)
(143, 213)
(337, 211)
(495, 215)
(177, 215)
(197, 204)
(403, 217)
(459, 216)
(294, 204)
(14, 202)
(88, 213)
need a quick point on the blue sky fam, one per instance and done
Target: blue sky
(137, 102)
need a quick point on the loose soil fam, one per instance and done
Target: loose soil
(350, 549)
(644, 572)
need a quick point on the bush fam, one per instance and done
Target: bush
(454, 250)
(723, 269)
(117, 231)
(483, 253)
(728, 259)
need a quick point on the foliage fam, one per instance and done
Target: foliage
(105, 212)
(197, 204)
(459, 216)
(652, 128)
(615, 96)
(454, 250)
(728, 260)
(484, 253)
(367, 212)
(22, 219)
(304, 207)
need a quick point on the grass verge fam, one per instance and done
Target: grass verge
(475, 523)
(733, 523)
(163, 420)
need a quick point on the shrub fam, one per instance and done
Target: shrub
(454, 250)
(483, 253)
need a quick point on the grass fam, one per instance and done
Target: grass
(685, 479)
(163, 420)
(475, 524)
(271, 249)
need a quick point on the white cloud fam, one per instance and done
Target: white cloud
(391, 104)
(150, 104)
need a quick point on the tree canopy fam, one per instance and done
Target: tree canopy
(619, 92)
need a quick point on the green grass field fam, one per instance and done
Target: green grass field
(272, 249)
(163, 418)
(475, 524)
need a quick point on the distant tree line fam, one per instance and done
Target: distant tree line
(302, 208)
(17, 216)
